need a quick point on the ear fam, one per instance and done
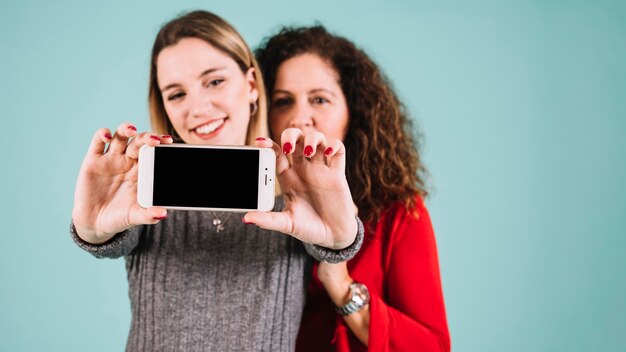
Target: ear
(252, 83)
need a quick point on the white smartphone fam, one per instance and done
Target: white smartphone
(199, 177)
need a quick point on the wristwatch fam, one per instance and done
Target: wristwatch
(360, 297)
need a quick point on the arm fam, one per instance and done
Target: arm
(413, 315)
(118, 246)
(336, 280)
(336, 256)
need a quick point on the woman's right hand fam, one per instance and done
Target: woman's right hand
(105, 200)
(318, 203)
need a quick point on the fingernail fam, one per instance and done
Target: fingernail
(156, 138)
(160, 217)
(167, 136)
(259, 139)
(308, 150)
(287, 148)
(132, 128)
(245, 222)
(108, 136)
(328, 151)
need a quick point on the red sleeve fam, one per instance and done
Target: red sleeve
(412, 317)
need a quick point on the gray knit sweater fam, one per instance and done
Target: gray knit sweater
(196, 287)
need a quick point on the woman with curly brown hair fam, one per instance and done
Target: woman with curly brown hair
(389, 296)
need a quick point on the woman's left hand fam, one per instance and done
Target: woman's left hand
(318, 203)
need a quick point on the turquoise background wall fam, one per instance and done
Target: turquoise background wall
(523, 109)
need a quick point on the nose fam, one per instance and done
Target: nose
(201, 105)
(302, 116)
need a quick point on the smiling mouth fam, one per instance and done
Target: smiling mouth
(209, 128)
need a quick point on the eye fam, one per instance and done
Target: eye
(176, 96)
(214, 82)
(280, 102)
(319, 100)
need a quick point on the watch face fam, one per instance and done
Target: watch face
(357, 299)
(360, 294)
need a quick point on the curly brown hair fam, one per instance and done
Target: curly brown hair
(383, 163)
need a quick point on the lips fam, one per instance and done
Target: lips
(210, 129)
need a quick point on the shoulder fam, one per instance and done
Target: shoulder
(399, 212)
(398, 221)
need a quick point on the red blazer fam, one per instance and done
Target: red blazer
(398, 263)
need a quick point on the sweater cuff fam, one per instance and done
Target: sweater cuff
(116, 247)
(341, 255)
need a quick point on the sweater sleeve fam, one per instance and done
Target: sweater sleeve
(120, 245)
(337, 256)
(413, 316)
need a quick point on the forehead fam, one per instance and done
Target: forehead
(189, 57)
(306, 70)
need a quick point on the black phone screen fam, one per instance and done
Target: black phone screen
(206, 178)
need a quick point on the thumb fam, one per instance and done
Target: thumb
(273, 221)
(141, 216)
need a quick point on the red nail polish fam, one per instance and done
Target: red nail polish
(160, 217)
(132, 128)
(245, 222)
(259, 138)
(328, 151)
(167, 136)
(156, 138)
(287, 148)
(108, 136)
(308, 150)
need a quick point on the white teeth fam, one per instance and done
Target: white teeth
(209, 127)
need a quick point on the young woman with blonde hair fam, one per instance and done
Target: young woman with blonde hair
(194, 285)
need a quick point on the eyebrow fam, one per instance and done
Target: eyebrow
(204, 73)
(316, 90)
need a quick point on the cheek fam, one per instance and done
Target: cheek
(343, 120)
(173, 114)
(278, 123)
(234, 100)
(338, 125)
(345, 123)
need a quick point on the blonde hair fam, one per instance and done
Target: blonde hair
(220, 34)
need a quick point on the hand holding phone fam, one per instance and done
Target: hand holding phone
(318, 202)
(203, 177)
(105, 200)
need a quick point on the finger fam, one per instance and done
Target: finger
(289, 139)
(120, 139)
(273, 221)
(146, 138)
(99, 142)
(335, 153)
(263, 142)
(312, 141)
(282, 162)
(167, 139)
(142, 216)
